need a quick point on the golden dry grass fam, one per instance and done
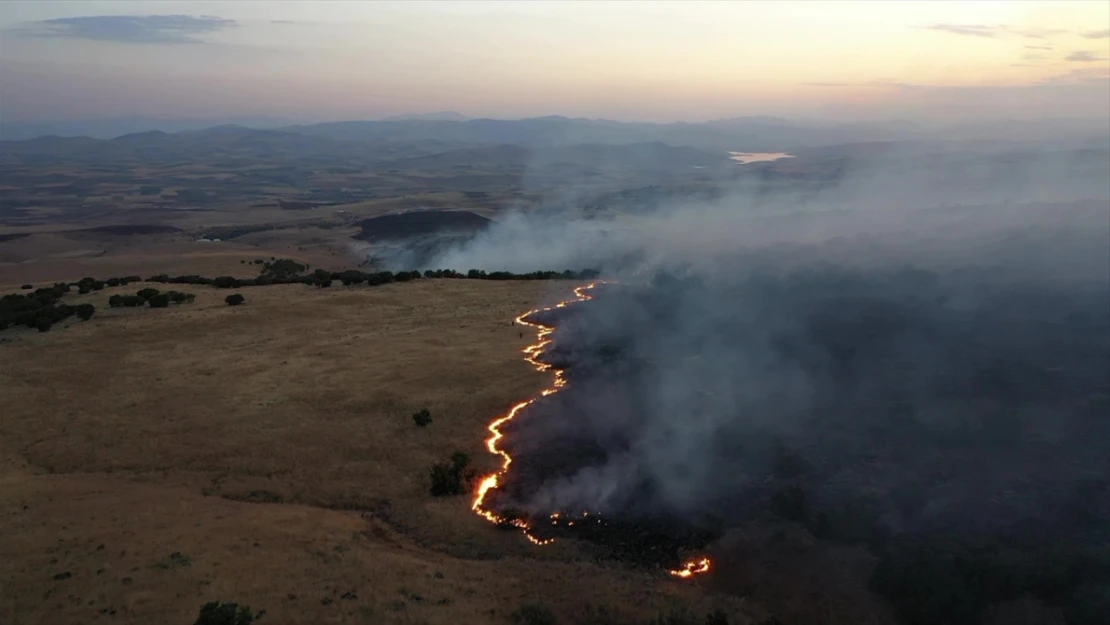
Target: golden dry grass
(43, 259)
(143, 433)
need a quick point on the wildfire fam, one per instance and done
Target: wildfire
(692, 568)
(492, 481)
(531, 353)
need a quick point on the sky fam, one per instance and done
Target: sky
(632, 61)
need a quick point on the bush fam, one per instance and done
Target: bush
(27, 287)
(147, 293)
(422, 418)
(234, 299)
(161, 300)
(43, 324)
(85, 311)
(451, 478)
(216, 613)
(531, 614)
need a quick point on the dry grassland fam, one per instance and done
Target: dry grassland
(153, 460)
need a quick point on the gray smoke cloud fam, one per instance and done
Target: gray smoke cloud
(927, 330)
(886, 188)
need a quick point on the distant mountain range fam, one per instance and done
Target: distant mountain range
(452, 130)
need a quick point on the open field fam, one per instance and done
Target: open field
(153, 460)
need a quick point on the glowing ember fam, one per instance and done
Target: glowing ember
(692, 568)
(491, 482)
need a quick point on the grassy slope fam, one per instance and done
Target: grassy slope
(146, 432)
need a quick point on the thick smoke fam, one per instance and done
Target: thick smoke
(903, 351)
(873, 189)
(935, 341)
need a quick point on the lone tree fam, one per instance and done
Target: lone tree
(234, 299)
(85, 311)
(422, 418)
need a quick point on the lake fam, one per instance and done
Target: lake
(757, 157)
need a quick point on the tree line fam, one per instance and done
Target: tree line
(40, 309)
(322, 278)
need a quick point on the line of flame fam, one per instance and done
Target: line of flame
(531, 355)
(691, 568)
(493, 480)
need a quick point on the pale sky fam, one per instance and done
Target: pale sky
(650, 61)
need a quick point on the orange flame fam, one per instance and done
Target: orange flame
(531, 354)
(692, 568)
(492, 481)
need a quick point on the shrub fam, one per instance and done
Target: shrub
(43, 324)
(177, 297)
(532, 614)
(85, 311)
(422, 418)
(451, 478)
(161, 300)
(234, 299)
(147, 293)
(27, 287)
(216, 613)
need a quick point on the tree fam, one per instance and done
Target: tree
(85, 311)
(234, 299)
(27, 287)
(147, 293)
(43, 323)
(162, 300)
(226, 282)
(216, 613)
(422, 418)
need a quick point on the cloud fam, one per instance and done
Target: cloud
(1087, 75)
(970, 30)
(131, 28)
(1097, 34)
(1083, 56)
(885, 84)
(1035, 33)
(1038, 47)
